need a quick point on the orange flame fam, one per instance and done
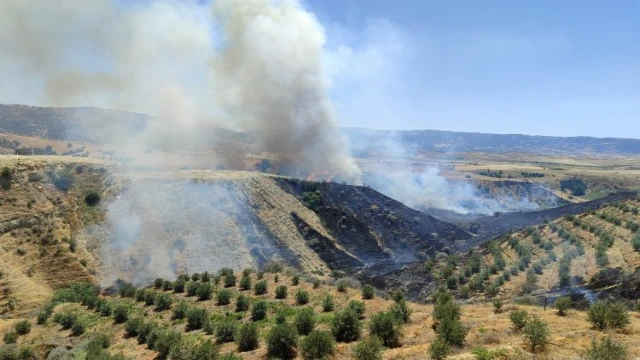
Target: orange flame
(331, 177)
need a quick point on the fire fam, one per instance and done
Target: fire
(326, 174)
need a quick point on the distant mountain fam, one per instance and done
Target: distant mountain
(364, 141)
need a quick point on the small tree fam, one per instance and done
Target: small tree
(295, 280)
(92, 198)
(384, 326)
(518, 319)
(598, 314)
(281, 292)
(358, 307)
(302, 297)
(133, 326)
(226, 330)
(305, 321)
(163, 302)
(452, 331)
(346, 326)
(178, 286)
(242, 303)
(439, 349)
(260, 288)
(23, 327)
(563, 304)
(607, 349)
(223, 297)
(247, 337)
(369, 348)
(318, 345)
(401, 311)
(497, 306)
(617, 315)
(536, 333)
(368, 292)
(282, 342)
(180, 310)
(204, 291)
(327, 303)
(229, 280)
(245, 283)
(196, 318)
(120, 314)
(259, 311)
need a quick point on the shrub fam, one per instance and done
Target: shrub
(242, 303)
(368, 292)
(78, 328)
(163, 302)
(282, 342)
(439, 349)
(166, 342)
(229, 280)
(316, 283)
(346, 326)
(606, 349)
(157, 283)
(358, 307)
(65, 319)
(180, 310)
(103, 306)
(92, 198)
(341, 286)
(206, 277)
(302, 297)
(281, 292)
(259, 311)
(247, 337)
(192, 289)
(120, 314)
(10, 338)
(178, 286)
(195, 277)
(318, 345)
(397, 295)
(401, 311)
(149, 297)
(497, 306)
(327, 303)
(295, 280)
(196, 318)
(225, 271)
(305, 321)
(563, 304)
(281, 317)
(518, 319)
(226, 330)
(384, 326)
(260, 288)
(536, 333)
(144, 330)
(132, 327)
(369, 348)
(245, 283)
(223, 297)
(603, 315)
(23, 327)
(204, 291)
(617, 315)
(482, 353)
(42, 318)
(452, 331)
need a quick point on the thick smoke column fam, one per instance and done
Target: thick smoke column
(269, 76)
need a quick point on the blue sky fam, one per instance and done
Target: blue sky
(536, 67)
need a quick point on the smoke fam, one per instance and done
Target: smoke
(426, 188)
(244, 65)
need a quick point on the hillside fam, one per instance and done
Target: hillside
(158, 224)
(167, 318)
(367, 142)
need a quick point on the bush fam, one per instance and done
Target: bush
(518, 319)
(206, 277)
(384, 326)
(247, 338)
(23, 327)
(295, 280)
(149, 297)
(327, 303)
(358, 307)
(204, 291)
(120, 314)
(341, 286)
(242, 303)
(229, 280)
(166, 342)
(368, 292)
(10, 338)
(192, 289)
(536, 333)
(606, 349)
(368, 349)
(196, 318)
(180, 310)
(163, 302)
(305, 321)
(452, 331)
(132, 327)
(316, 283)
(245, 283)
(226, 330)
(65, 319)
(482, 353)
(92, 198)
(318, 345)
(346, 326)
(78, 328)
(282, 342)
(401, 311)
(603, 315)
(439, 349)
(563, 304)
(157, 283)
(302, 297)
(259, 311)
(260, 288)
(497, 306)
(195, 277)
(281, 292)
(42, 318)
(178, 286)
(617, 315)
(144, 330)
(223, 297)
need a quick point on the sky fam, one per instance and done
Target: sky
(543, 67)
